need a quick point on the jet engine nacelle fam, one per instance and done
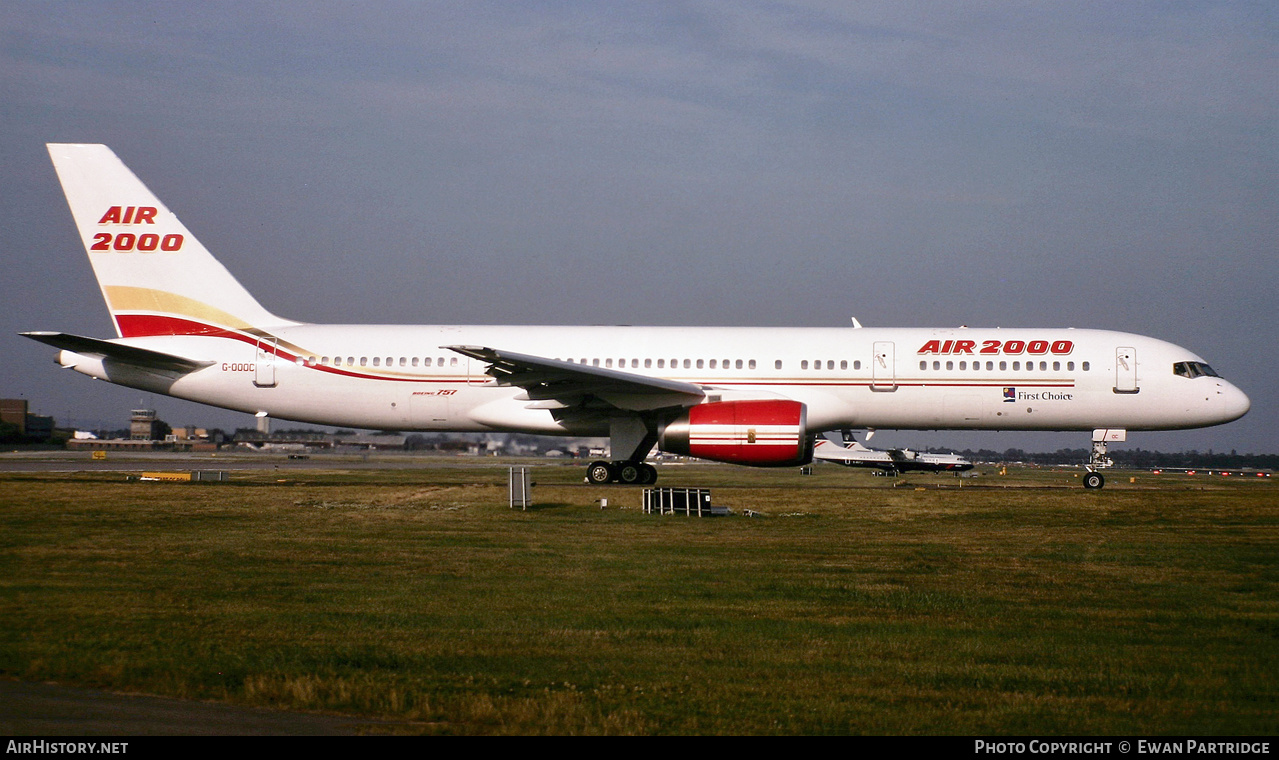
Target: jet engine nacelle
(759, 433)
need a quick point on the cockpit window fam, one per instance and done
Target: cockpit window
(1193, 369)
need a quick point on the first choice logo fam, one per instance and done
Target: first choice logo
(995, 347)
(1012, 396)
(128, 241)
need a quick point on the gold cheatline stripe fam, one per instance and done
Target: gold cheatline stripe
(129, 298)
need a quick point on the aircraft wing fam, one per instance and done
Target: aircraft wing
(132, 355)
(561, 384)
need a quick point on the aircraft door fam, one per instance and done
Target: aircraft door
(264, 364)
(883, 371)
(1126, 370)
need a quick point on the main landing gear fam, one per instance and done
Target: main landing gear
(630, 473)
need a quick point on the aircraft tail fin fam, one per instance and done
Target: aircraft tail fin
(156, 278)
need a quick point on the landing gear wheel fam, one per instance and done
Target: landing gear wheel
(629, 472)
(1094, 480)
(599, 473)
(648, 474)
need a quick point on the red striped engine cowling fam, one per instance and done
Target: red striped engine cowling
(758, 433)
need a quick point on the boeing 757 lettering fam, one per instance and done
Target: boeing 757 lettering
(754, 396)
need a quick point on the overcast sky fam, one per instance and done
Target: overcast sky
(1107, 165)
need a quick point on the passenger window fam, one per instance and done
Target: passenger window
(1085, 366)
(923, 365)
(777, 364)
(803, 364)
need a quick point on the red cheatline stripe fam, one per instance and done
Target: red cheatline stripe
(151, 325)
(148, 325)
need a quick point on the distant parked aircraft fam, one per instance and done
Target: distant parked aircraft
(853, 454)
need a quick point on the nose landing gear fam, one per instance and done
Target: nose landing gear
(1098, 459)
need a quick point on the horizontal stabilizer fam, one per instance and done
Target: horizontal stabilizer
(139, 357)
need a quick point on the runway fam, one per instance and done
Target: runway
(43, 709)
(61, 461)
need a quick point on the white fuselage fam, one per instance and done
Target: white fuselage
(399, 377)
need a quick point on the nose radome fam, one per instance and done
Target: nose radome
(1236, 402)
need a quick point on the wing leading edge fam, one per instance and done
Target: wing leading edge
(554, 383)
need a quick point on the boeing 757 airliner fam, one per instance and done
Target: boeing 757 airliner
(747, 395)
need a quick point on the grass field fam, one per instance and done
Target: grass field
(1012, 605)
